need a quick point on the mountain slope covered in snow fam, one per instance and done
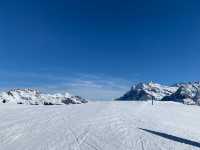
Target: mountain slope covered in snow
(148, 91)
(188, 93)
(35, 97)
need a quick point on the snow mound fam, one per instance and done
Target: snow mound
(35, 97)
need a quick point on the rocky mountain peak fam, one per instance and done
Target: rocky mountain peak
(146, 91)
(35, 97)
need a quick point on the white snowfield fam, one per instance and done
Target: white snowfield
(100, 126)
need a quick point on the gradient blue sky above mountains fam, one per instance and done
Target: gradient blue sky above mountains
(127, 41)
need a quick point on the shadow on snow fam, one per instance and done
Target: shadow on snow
(172, 137)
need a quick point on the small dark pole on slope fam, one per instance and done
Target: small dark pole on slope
(152, 101)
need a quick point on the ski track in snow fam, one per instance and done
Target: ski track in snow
(99, 126)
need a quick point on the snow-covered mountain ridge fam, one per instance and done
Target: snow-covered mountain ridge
(182, 92)
(35, 97)
(146, 91)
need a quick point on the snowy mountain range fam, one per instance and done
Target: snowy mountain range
(146, 91)
(35, 97)
(188, 93)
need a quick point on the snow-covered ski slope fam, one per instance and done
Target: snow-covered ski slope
(100, 126)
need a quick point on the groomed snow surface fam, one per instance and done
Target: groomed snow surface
(100, 126)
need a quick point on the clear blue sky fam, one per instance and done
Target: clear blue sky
(94, 42)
